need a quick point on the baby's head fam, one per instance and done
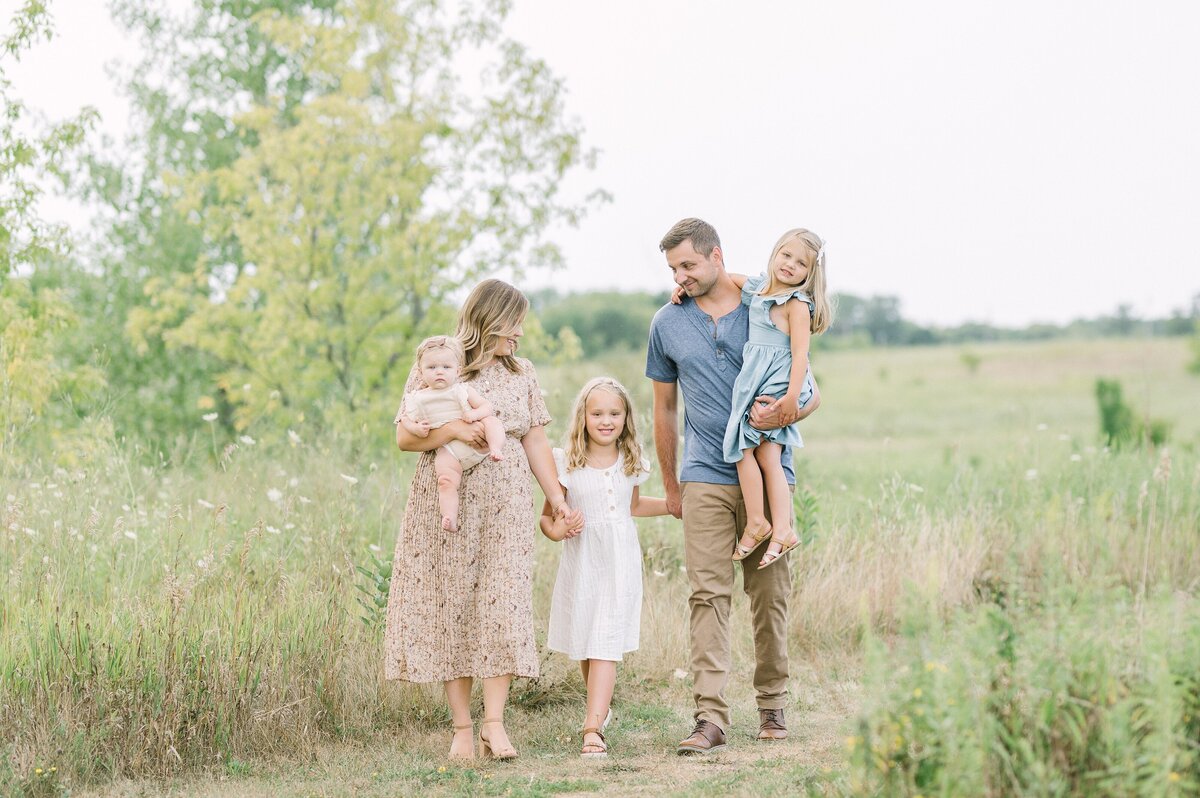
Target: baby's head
(603, 414)
(798, 261)
(439, 358)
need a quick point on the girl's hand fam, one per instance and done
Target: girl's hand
(572, 519)
(677, 295)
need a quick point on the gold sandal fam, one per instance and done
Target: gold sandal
(485, 746)
(457, 729)
(602, 745)
(741, 552)
(770, 557)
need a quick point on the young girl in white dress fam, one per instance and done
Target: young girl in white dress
(596, 610)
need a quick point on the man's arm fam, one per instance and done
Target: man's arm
(761, 418)
(666, 441)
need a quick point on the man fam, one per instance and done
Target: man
(697, 346)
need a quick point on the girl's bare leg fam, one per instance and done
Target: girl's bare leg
(779, 498)
(493, 428)
(602, 678)
(750, 479)
(449, 475)
(458, 696)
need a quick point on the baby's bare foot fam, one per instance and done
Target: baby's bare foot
(449, 523)
(496, 456)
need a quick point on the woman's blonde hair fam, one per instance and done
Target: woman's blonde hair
(813, 284)
(628, 447)
(447, 342)
(493, 309)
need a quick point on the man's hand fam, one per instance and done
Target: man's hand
(768, 413)
(675, 503)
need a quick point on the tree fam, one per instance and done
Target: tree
(369, 186)
(33, 316)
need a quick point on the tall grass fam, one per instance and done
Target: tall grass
(171, 618)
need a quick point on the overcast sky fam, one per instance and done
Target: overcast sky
(1000, 162)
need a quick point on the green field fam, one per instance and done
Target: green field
(992, 603)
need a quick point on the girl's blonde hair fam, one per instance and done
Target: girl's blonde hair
(494, 308)
(433, 342)
(813, 284)
(628, 447)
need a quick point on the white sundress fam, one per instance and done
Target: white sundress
(596, 609)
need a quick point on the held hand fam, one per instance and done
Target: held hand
(421, 429)
(572, 520)
(677, 295)
(675, 503)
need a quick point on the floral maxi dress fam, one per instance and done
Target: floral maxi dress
(461, 603)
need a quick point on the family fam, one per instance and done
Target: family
(461, 603)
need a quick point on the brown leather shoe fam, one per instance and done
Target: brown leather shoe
(771, 725)
(706, 738)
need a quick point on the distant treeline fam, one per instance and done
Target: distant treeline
(607, 320)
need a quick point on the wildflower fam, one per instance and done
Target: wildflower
(660, 573)
(247, 440)
(375, 548)
(129, 533)
(442, 769)
(916, 488)
(293, 437)
(205, 403)
(350, 479)
(207, 505)
(209, 417)
(680, 673)
(917, 693)
(1031, 474)
(1062, 436)
(1042, 427)
(275, 495)
(272, 530)
(289, 525)
(1075, 458)
(246, 387)
(1173, 777)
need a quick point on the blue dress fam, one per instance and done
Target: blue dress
(766, 370)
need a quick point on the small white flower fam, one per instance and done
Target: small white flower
(275, 495)
(1064, 436)
(1031, 474)
(305, 500)
(272, 530)
(683, 569)
(125, 507)
(660, 573)
(1075, 458)
(246, 387)
(293, 482)
(209, 417)
(46, 560)
(916, 488)
(373, 547)
(373, 468)
(289, 525)
(350, 479)
(207, 505)
(293, 437)
(1042, 427)
(129, 533)
(680, 673)
(246, 439)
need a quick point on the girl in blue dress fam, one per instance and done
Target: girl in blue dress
(787, 305)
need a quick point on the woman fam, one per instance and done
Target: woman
(461, 605)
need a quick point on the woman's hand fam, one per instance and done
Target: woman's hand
(571, 520)
(471, 433)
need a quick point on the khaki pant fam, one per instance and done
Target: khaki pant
(713, 519)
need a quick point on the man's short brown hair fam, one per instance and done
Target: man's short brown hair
(702, 234)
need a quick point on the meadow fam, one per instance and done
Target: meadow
(991, 602)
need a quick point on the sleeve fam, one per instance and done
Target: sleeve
(411, 406)
(539, 416)
(464, 403)
(560, 462)
(412, 385)
(798, 294)
(659, 365)
(643, 473)
(751, 287)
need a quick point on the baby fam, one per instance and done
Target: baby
(446, 399)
